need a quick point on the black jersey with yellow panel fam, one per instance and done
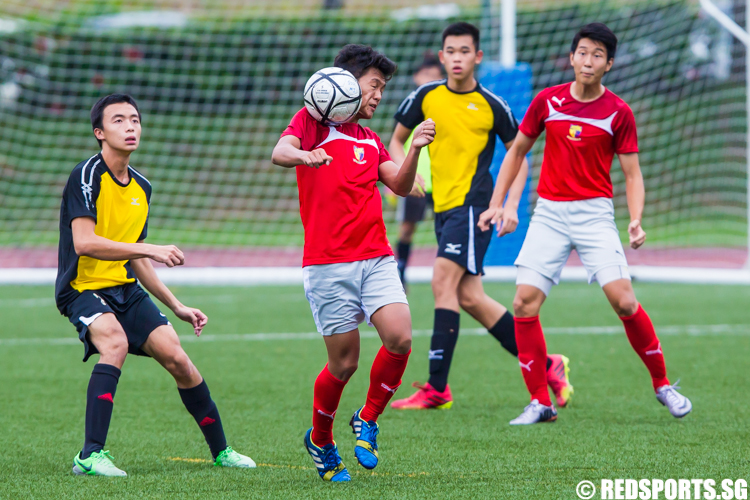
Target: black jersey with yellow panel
(121, 214)
(466, 125)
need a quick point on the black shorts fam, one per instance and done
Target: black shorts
(459, 238)
(412, 208)
(131, 305)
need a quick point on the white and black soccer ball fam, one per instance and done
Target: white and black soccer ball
(332, 96)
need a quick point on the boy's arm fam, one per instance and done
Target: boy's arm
(397, 146)
(509, 220)
(147, 276)
(514, 159)
(87, 243)
(635, 192)
(288, 154)
(400, 179)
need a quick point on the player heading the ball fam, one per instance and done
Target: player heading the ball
(101, 259)
(586, 125)
(350, 275)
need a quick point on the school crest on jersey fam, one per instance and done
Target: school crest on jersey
(359, 155)
(574, 133)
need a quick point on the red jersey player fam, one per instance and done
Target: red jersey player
(350, 274)
(586, 126)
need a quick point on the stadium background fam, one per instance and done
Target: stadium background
(217, 81)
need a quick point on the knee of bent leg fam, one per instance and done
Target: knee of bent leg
(469, 300)
(525, 305)
(179, 365)
(626, 305)
(399, 345)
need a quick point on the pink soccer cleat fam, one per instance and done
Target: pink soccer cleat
(425, 398)
(557, 378)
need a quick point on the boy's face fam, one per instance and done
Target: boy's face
(427, 75)
(590, 61)
(459, 56)
(121, 127)
(372, 83)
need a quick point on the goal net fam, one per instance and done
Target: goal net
(218, 81)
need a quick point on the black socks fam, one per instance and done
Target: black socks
(505, 332)
(203, 409)
(402, 257)
(99, 402)
(444, 337)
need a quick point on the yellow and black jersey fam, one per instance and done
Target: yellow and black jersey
(466, 125)
(121, 214)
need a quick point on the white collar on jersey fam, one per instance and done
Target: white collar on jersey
(604, 124)
(335, 134)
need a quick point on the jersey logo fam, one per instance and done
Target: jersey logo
(135, 202)
(472, 107)
(574, 133)
(558, 101)
(454, 248)
(359, 155)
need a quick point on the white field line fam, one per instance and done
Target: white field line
(255, 276)
(676, 330)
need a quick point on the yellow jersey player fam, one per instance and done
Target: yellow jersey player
(101, 260)
(468, 118)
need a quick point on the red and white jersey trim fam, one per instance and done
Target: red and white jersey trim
(604, 124)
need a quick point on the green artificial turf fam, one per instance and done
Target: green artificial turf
(614, 427)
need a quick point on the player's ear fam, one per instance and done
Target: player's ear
(99, 134)
(441, 57)
(609, 64)
(479, 56)
(572, 54)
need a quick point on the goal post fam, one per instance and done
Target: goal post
(742, 35)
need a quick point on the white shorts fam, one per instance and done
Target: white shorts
(344, 295)
(556, 228)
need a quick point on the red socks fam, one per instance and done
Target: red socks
(385, 378)
(643, 338)
(327, 395)
(532, 357)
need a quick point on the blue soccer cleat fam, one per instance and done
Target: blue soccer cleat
(327, 460)
(366, 449)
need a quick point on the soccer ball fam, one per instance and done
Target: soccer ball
(332, 96)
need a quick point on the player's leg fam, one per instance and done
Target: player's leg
(333, 291)
(382, 294)
(164, 346)
(343, 359)
(597, 241)
(500, 323)
(643, 339)
(107, 337)
(543, 255)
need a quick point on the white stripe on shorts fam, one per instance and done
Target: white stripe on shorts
(471, 263)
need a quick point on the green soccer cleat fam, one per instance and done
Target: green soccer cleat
(98, 464)
(230, 458)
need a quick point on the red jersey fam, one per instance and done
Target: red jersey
(340, 203)
(582, 139)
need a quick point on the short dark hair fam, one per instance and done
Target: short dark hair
(357, 59)
(97, 111)
(461, 28)
(598, 32)
(430, 61)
